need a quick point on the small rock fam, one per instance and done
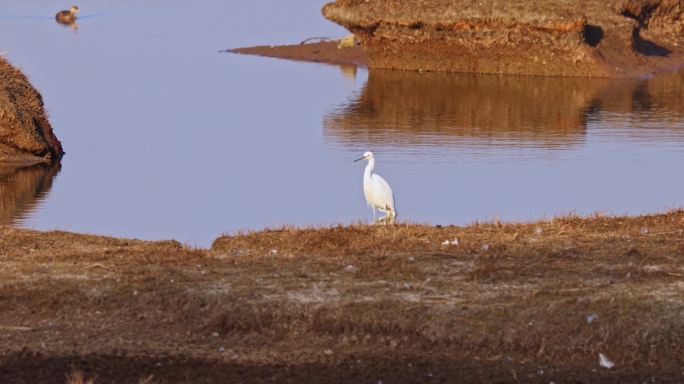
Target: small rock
(643, 230)
(273, 251)
(351, 269)
(591, 317)
(215, 334)
(328, 352)
(605, 362)
(485, 247)
(538, 231)
(411, 258)
(135, 293)
(450, 242)
(222, 349)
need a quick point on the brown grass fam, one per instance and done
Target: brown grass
(26, 137)
(77, 377)
(354, 303)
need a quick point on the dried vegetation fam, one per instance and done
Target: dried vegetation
(26, 137)
(530, 302)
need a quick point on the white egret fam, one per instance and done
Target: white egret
(377, 191)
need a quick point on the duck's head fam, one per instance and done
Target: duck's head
(74, 10)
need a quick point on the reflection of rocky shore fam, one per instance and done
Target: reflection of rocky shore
(408, 108)
(21, 189)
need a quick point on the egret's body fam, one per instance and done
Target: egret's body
(377, 191)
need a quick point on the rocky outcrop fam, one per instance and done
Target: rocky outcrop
(26, 136)
(555, 37)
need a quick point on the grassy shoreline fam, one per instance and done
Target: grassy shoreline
(532, 302)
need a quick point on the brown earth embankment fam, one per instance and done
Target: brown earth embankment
(533, 302)
(26, 135)
(584, 38)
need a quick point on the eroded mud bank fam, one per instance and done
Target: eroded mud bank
(560, 38)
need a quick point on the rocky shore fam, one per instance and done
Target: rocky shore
(582, 38)
(26, 137)
(531, 302)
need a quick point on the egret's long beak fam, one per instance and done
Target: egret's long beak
(359, 159)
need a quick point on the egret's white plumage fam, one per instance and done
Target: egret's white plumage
(377, 191)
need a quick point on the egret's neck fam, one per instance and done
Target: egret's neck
(369, 168)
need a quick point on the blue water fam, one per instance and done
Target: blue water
(165, 137)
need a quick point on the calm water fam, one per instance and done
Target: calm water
(167, 138)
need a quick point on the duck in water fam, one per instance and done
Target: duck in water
(67, 17)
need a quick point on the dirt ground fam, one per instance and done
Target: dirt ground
(502, 303)
(318, 52)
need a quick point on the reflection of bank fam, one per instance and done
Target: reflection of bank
(349, 71)
(408, 108)
(22, 189)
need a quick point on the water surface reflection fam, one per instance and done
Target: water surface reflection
(434, 109)
(169, 139)
(22, 189)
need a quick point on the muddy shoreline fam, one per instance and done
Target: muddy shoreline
(617, 39)
(319, 52)
(327, 53)
(532, 302)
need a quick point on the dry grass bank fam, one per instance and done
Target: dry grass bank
(26, 136)
(533, 302)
